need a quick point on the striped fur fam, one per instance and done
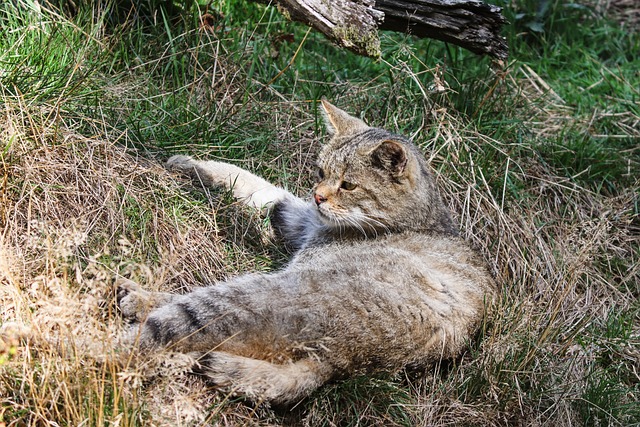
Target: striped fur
(378, 280)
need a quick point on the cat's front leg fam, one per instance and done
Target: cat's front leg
(138, 306)
(247, 187)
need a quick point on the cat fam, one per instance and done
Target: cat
(379, 279)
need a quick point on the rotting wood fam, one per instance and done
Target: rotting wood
(354, 24)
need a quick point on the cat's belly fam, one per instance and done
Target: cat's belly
(396, 300)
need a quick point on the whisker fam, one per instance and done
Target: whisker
(344, 220)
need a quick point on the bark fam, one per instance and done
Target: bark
(354, 24)
(471, 24)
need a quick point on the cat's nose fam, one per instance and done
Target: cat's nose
(319, 199)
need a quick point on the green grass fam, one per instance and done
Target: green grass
(538, 159)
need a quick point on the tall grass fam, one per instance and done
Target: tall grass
(538, 159)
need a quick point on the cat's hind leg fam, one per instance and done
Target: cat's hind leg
(247, 187)
(262, 381)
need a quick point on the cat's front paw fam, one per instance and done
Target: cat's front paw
(180, 162)
(136, 303)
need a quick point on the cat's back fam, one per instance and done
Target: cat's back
(403, 255)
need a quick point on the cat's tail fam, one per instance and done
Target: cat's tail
(262, 381)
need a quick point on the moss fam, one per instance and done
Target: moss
(284, 11)
(352, 37)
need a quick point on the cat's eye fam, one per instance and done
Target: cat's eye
(320, 173)
(348, 186)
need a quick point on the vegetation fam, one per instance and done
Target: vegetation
(538, 158)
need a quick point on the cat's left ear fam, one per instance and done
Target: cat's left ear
(339, 122)
(391, 156)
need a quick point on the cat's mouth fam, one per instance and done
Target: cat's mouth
(334, 216)
(350, 219)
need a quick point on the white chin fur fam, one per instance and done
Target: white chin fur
(340, 220)
(330, 218)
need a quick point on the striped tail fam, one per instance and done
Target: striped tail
(262, 381)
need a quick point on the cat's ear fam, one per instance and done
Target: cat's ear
(340, 122)
(391, 156)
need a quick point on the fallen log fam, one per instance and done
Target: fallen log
(354, 24)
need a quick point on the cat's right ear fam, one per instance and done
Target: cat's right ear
(340, 122)
(390, 156)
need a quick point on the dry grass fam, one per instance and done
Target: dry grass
(567, 260)
(626, 12)
(77, 211)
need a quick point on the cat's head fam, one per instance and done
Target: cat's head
(371, 180)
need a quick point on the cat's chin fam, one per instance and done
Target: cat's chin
(333, 221)
(328, 219)
(345, 226)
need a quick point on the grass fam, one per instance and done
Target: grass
(538, 159)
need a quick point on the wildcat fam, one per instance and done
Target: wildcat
(378, 281)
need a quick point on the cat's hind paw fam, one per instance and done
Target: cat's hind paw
(261, 381)
(128, 297)
(135, 303)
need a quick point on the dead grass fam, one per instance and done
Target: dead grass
(78, 211)
(625, 12)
